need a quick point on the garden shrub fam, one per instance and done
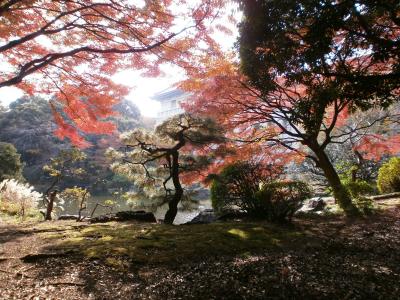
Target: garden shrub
(237, 185)
(17, 198)
(10, 162)
(358, 188)
(389, 176)
(278, 201)
(249, 188)
(364, 205)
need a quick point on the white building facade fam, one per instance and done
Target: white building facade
(170, 100)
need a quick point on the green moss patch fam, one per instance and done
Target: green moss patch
(154, 244)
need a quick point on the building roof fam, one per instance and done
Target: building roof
(168, 94)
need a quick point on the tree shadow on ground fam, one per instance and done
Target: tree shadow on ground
(9, 233)
(313, 260)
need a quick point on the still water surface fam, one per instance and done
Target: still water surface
(183, 216)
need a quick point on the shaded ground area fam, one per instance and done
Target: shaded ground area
(316, 258)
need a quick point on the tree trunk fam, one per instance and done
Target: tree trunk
(173, 203)
(358, 167)
(82, 207)
(342, 196)
(50, 204)
(354, 174)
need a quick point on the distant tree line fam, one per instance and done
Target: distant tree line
(28, 125)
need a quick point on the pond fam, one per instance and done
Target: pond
(183, 216)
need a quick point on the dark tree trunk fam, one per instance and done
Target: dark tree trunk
(49, 198)
(173, 203)
(50, 205)
(354, 174)
(82, 207)
(358, 167)
(340, 193)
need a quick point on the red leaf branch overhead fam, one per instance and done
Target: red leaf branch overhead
(251, 118)
(70, 49)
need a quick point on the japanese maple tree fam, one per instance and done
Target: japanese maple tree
(70, 49)
(305, 66)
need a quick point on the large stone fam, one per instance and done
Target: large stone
(316, 204)
(140, 216)
(68, 217)
(121, 216)
(313, 205)
(204, 217)
(233, 215)
(103, 219)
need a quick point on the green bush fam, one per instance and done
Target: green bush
(389, 176)
(358, 188)
(237, 185)
(364, 205)
(249, 188)
(278, 201)
(10, 162)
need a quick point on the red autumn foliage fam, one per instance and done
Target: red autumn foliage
(261, 127)
(70, 49)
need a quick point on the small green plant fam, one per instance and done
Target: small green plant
(109, 202)
(17, 198)
(358, 188)
(237, 185)
(278, 201)
(364, 205)
(250, 187)
(389, 176)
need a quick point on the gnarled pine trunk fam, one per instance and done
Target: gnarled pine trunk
(50, 205)
(173, 203)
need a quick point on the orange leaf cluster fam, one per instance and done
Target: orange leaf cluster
(70, 49)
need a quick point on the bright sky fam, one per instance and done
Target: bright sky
(9, 94)
(143, 88)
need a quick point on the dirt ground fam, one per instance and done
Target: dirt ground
(316, 258)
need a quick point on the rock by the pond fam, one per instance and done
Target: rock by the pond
(140, 215)
(204, 217)
(316, 204)
(103, 219)
(68, 217)
(233, 215)
(313, 205)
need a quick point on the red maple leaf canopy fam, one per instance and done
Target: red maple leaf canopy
(69, 50)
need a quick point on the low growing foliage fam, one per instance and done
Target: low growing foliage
(17, 198)
(358, 188)
(237, 185)
(279, 200)
(389, 176)
(250, 187)
(365, 205)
